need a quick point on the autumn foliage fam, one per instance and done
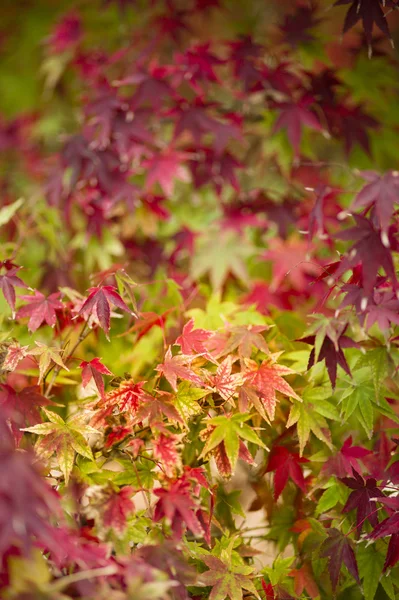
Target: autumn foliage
(199, 326)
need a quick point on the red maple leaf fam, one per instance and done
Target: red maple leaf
(21, 408)
(292, 117)
(224, 382)
(267, 380)
(382, 192)
(244, 54)
(296, 26)
(304, 581)
(191, 341)
(146, 321)
(350, 123)
(362, 498)
(337, 548)
(291, 263)
(126, 399)
(389, 527)
(286, 465)
(198, 64)
(40, 309)
(8, 282)
(346, 459)
(383, 310)
(331, 351)
(268, 589)
(177, 505)
(164, 168)
(366, 236)
(165, 450)
(93, 369)
(175, 367)
(154, 408)
(117, 508)
(152, 87)
(244, 338)
(370, 12)
(99, 302)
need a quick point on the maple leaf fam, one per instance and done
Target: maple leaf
(267, 379)
(154, 408)
(383, 310)
(191, 341)
(146, 321)
(303, 580)
(152, 87)
(228, 430)
(93, 369)
(47, 356)
(177, 505)
(21, 408)
(227, 580)
(15, 353)
(370, 12)
(285, 463)
(350, 123)
(221, 259)
(164, 168)
(195, 119)
(64, 438)
(186, 398)
(244, 338)
(328, 345)
(198, 65)
(125, 399)
(295, 27)
(117, 508)
(346, 459)
(290, 260)
(362, 498)
(165, 450)
(224, 382)
(99, 301)
(40, 309)
(292, 117)
(366, 236)
(337, 548)
(8, 282)
(389, 527)
(382, 192)
(175, 367)
(310, 415)
(268, 589)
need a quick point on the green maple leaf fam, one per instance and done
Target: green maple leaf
(186, 398)
(356, 397)
(310, 415)
(227, 580)
(220, 259)
(377, 360)
(64, 438)
(228, 430)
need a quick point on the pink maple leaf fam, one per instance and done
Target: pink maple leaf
(93, 369)
(40, 309)
(175, 367)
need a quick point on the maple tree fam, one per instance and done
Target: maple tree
(199, 352)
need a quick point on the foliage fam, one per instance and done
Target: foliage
(199, 300)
